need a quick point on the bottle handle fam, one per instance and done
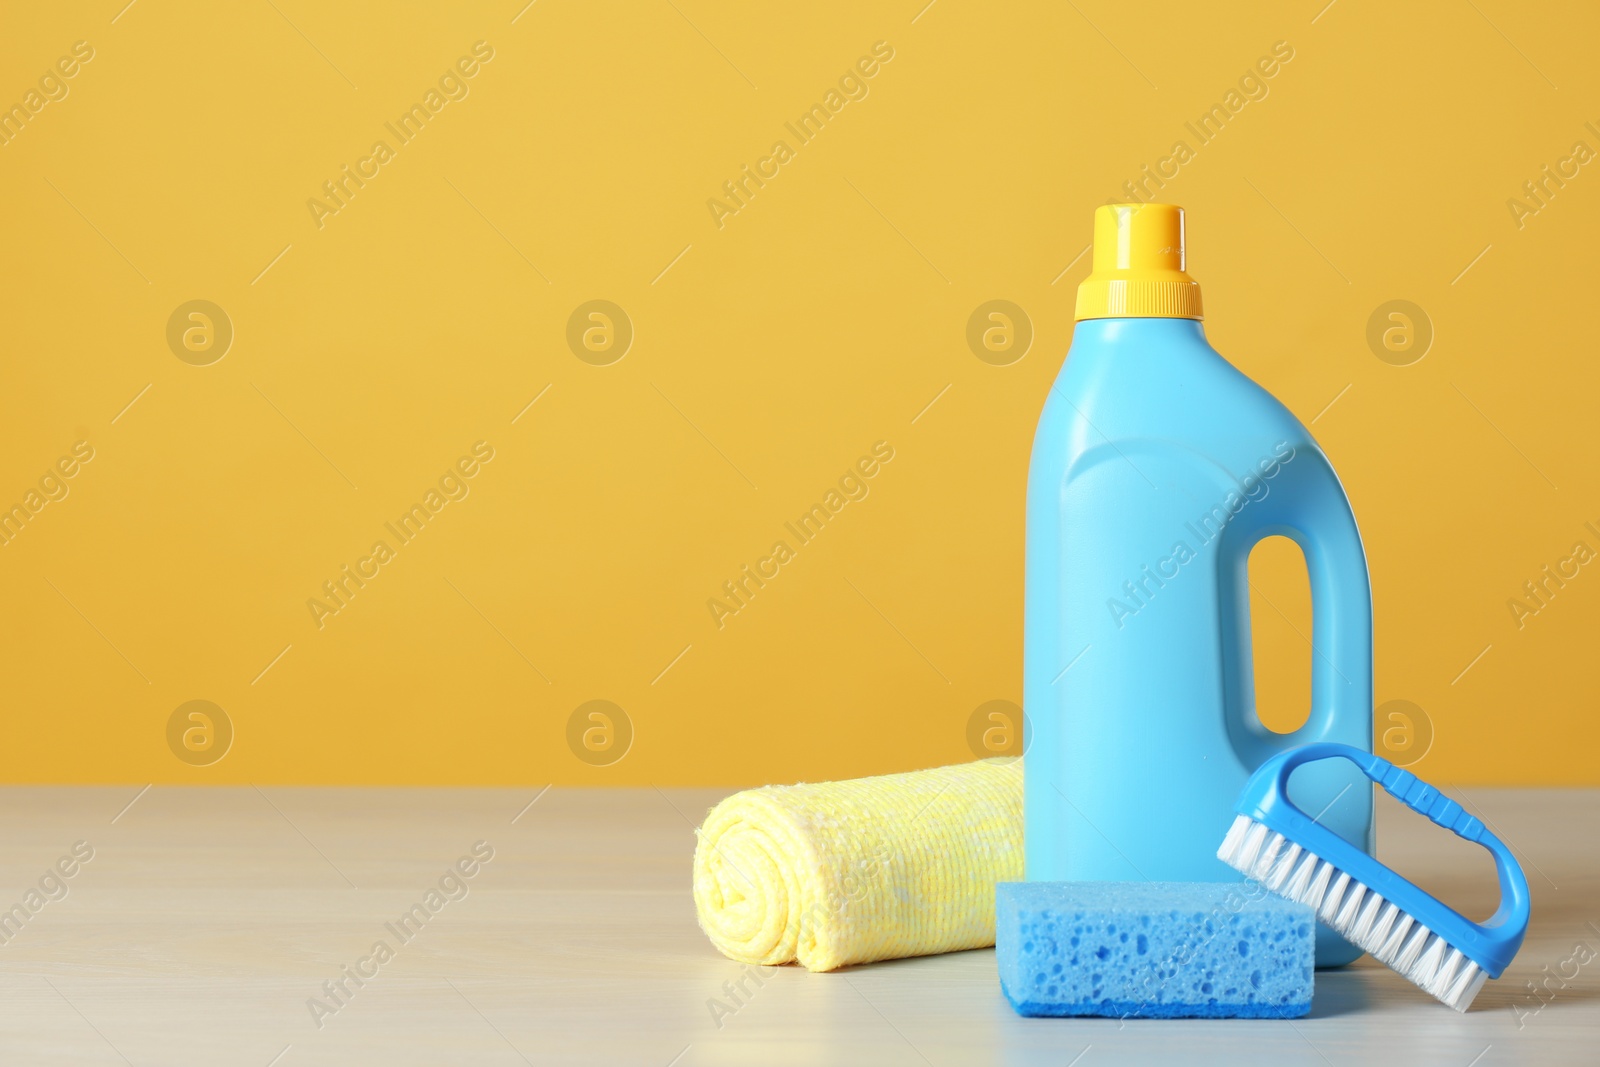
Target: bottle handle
(1341, 630)
(1309, 508)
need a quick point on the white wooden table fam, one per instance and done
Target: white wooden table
(208, 918)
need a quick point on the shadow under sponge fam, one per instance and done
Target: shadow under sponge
(1154, 950)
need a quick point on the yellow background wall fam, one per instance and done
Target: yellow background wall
(374, 346)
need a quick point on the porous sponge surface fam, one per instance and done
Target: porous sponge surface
(1154, 950)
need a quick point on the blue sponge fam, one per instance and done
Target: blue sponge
(1153, 950)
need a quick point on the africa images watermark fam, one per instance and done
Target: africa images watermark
(53, 485)
(1252, 87)
(852, 85)
(452, 85)
(337, 993)
(1203, 930)
(343, 587)
(52, 886)
(1539, 191)
(866, 870)
(1538, 592)
(738, 592)
(52, 87)
(1205, 528)
(1542, 992)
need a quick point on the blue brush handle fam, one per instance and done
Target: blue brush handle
(1490, 944)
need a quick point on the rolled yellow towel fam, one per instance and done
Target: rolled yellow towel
(871, 869)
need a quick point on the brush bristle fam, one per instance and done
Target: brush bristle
(1360, 915)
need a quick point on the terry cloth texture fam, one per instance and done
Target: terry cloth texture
(837, 873)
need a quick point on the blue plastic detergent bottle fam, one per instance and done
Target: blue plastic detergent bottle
(1156, 467)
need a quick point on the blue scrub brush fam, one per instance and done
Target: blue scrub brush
(1423, 940)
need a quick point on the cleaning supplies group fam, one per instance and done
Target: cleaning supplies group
(1142, 755)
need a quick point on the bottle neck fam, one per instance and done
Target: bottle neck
(1137, 330)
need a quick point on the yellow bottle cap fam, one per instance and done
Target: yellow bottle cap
(1138, 266)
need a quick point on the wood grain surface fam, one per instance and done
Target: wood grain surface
(207, 922)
